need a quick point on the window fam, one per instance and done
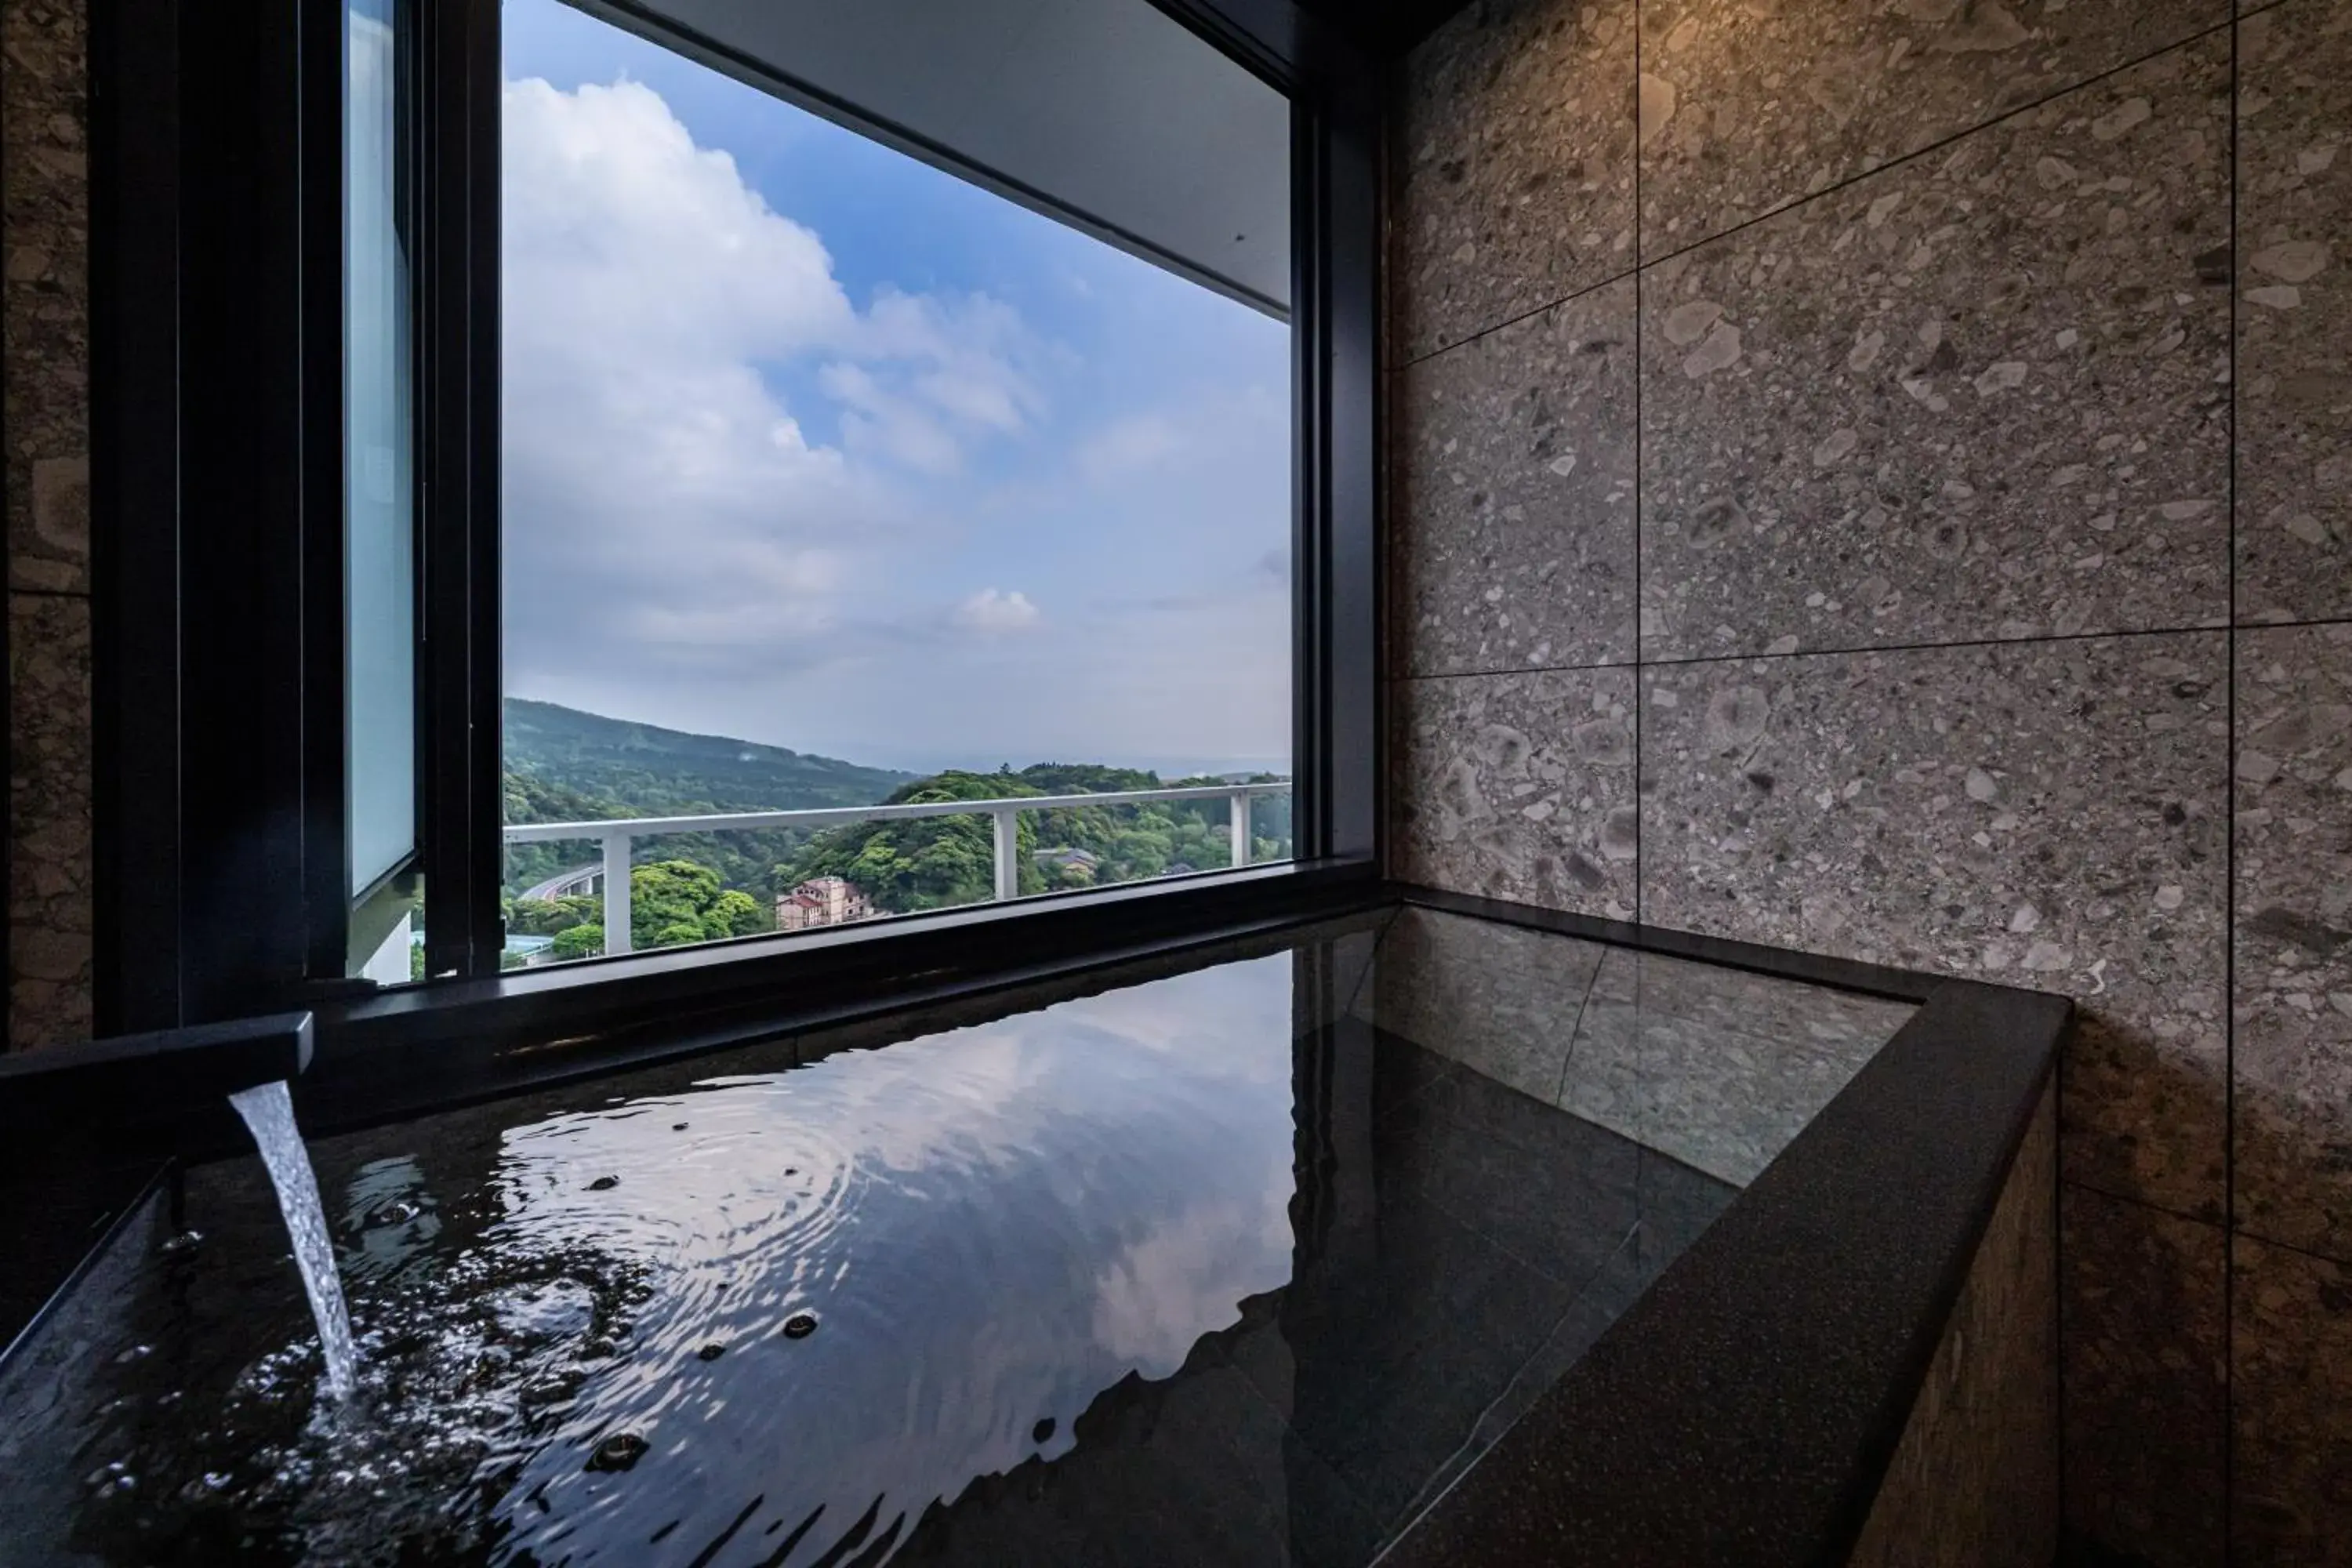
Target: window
(964, 398)
(848, 504)
(379, 494)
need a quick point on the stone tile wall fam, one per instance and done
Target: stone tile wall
(45, 318)
(1964, 436)
(1974, 1481)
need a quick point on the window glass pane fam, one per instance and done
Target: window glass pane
(379, 513)
(834, 480)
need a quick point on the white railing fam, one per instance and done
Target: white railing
(617, 836)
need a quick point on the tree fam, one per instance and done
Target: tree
(931, 862)
(941, 862)
(579, 942)
(552, 917)
(741, 859)
(711, 886)
(669, 895)
(738, 913)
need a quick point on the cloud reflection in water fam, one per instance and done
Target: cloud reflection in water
(993, 1226)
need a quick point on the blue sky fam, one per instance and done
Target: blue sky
(810, 443)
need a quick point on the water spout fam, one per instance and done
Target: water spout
(269, 1112)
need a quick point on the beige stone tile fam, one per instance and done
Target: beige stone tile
(49, 864)
(2291, 1405)
(1982, 394)
(1518, 787)
(45, 294)
(2294, 931)
(1748, 105)
(1515, 160)
(2142, 1348)
(2048, 814)
(2294, 313)
(1511, 525)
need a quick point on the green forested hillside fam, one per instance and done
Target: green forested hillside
(660, 771)
(564, 765)
(938, 862)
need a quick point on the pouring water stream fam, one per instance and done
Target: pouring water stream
(269, 1112)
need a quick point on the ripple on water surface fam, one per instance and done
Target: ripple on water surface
(751, 1320)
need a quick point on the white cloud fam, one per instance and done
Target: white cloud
(1188, 1275)
(937, 376)
(992, 612)
(615, 221)
(974, 349)
(883, 423)
(1127, 446)
(665, 511)
(690, 544)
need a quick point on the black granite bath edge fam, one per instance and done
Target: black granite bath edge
(1814, 969)
(59, 1226)
(1745, 1410)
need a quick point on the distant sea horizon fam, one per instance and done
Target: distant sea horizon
(912, 761)
(1178, 769)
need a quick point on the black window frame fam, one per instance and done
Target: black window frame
(220, 884)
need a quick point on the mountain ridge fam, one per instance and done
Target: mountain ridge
(594, 753)
(564, 764)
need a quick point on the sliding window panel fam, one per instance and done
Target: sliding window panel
(379, 489)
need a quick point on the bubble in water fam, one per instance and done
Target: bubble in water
(620, 1451)
(800, 1325)
(546, 1390)
(400, 1211)
(711, 1352)
(546, 1309)
(186, 1241)
(1043, 1432)
(603, 1183)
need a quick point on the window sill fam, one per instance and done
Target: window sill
(395, 1053)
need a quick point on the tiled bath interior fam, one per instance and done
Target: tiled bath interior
(1715, 1068)
(1870, 480)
